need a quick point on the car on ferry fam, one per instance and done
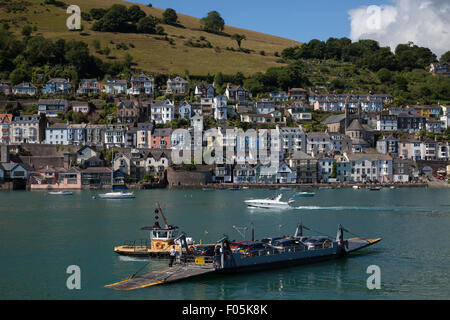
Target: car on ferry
(314, 243)
(204, 250)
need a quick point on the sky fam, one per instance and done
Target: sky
(424, 22)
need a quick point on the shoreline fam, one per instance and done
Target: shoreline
(232, 186)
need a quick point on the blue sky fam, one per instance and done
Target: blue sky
(300, 20)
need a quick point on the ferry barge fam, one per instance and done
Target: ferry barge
(269, 253)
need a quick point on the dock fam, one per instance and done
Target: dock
(170, 274)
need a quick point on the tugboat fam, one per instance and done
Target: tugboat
(162, 239)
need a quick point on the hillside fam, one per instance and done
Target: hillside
(149, 52)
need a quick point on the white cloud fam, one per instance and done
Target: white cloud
(424, 22)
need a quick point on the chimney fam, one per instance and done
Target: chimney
(4, 153)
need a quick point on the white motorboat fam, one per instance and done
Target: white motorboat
(269, 203)
(61, 193)
(117, 195)
(356, 187)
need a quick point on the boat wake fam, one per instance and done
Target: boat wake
(364, 208)
(128, 258)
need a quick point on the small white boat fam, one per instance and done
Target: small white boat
(305, 194)
(269, 203)
(61, 193)
(117, 195)
(356, 187)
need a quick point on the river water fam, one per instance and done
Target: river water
(41, 235)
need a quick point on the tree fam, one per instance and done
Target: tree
(135, 13)
(238, 38)
(213, 22)
(170, 16)
(147, 25)
(445, 57)
(27, 30)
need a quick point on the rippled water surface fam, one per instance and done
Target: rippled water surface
(41, 235)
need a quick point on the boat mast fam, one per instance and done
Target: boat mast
(162, 215)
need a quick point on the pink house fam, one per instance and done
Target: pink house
(56, 178)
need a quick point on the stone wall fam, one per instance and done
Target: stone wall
(188, 179)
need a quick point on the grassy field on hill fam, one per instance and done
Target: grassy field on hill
(149, 52)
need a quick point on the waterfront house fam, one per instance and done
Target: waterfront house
(89, 86)
(157, 162)
(28, 129)
(177, 85)
(410, 149)
(342, 168)
(115, 87)
(52, 107)
(12, 170)
(162, 111)
(403, 170)
(5, 124)
(57, 86)
(325, 168)
(50, 178)
(96, 177)
(370, 167)
(25, 88)
(222, 172)
(244, 173)
(142, 85)
(305, 165)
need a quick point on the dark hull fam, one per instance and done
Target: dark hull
(281, 264)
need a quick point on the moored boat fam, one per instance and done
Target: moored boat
(117, 195)
(305, 194)
(61, 193)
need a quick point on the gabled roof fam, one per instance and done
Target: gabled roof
(334, 119)
(355, 126)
